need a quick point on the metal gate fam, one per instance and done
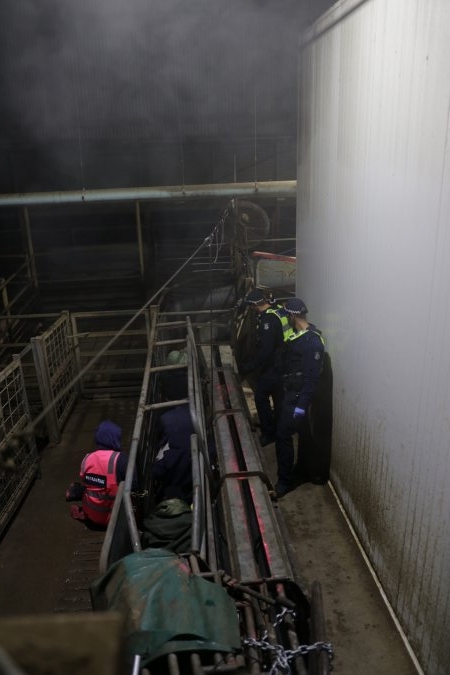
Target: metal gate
(56, 368)
(18, 453)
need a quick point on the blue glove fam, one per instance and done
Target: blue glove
(298, 412)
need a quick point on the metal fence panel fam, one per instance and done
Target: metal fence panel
(118, 368)
(16, 448)
(56, 367)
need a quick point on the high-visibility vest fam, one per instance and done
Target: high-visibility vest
(291, 365)
(281, 314)
(98, 473)
(295, 336)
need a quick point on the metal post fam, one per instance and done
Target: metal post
(136, 664)
(148, 323)
(6, 306)
(139, 239)
(30, 251)
(198, 514)
(76, 350)
(5, 295)
(43, 378)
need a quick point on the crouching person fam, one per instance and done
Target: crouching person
(172, 469)
(101, 472)
(169, 526)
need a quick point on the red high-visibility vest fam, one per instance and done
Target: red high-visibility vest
(98, 473)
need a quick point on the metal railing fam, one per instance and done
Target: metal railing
(119, 370)
(278, 625)
(43, 378)
(14, 287)
(17, 293)
(122, 535)
(18, 453)
(56, 368)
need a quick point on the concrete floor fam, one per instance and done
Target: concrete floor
(43, 544)
(364, 635)
(358, 623)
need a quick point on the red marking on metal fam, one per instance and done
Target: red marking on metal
(274, 256)
(262, 529)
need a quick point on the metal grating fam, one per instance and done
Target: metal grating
(56, 367)
(18, 454)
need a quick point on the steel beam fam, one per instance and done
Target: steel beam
(287, 188)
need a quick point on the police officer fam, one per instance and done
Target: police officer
(273, 328)
(300, 364)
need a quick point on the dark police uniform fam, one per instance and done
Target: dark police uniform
(301, 364)
(271, 330)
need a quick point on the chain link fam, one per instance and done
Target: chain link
(279, 617)
(283, 657)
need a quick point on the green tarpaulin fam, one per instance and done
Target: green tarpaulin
(166, 607)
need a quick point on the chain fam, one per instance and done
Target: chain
(279, 617)
(283, 657)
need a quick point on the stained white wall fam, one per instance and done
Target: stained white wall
(373, 238)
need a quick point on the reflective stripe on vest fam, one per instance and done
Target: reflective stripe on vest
(287, 329)
(295, 336)
(98, 471)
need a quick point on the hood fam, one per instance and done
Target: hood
(177, 427)
(108, 436)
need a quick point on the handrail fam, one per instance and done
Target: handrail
(195, 396)
(199, 448)
(134, 534)
(123, 515)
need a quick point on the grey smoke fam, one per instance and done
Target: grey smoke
(144, 63)
(134, 70)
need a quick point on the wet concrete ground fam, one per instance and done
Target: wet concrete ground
(46, 557)
(43, 547)
(364, 635)
(358, 623)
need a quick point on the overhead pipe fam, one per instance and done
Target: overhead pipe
(286, 188)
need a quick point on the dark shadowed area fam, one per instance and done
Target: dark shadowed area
(111, 93)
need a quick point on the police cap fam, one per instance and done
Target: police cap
(255, 297)
(296, 306)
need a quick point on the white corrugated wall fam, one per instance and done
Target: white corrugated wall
(374, 250)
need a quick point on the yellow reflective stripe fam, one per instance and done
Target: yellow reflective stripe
(295, 336)
(287, 329)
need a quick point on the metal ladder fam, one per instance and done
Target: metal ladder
(157, 326)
